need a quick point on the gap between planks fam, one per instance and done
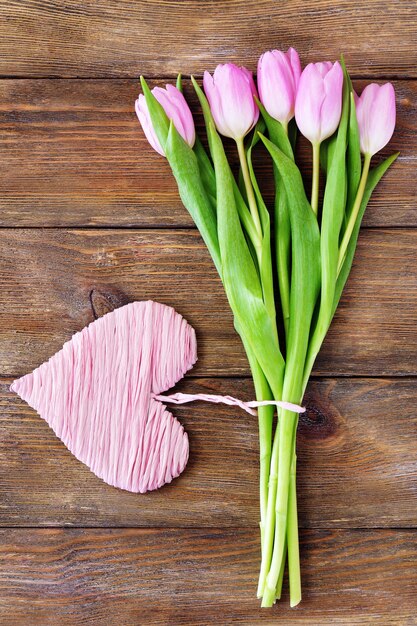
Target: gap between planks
(231, 529)
(184, 77)
(165, 227)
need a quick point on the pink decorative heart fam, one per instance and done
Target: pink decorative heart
(97, 394)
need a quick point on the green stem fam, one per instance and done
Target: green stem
(282, 243)
(292, 537)
(314, 347)
(287, 428)
(316, 178)
(291, 545)
(269, 527)
(248, 186)
(281, 574)
(268, 295)
(265, 421)
(354, 213)
(262, 239)
(283, 451)
(284, 284)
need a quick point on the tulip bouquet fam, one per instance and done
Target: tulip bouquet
(283, 276)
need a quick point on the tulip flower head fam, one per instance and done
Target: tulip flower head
(375, 110)
(176, 108)
(278, 78)
(318, 104)
(230, 92)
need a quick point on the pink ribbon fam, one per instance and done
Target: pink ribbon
(182, 398)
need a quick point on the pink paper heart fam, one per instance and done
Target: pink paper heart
(97, 394)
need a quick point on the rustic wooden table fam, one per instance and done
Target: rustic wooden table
(90, 220)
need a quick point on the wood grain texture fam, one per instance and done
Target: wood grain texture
(356, 465)
(162, 37)
(201, 577)
(73, 154)
(51, 280)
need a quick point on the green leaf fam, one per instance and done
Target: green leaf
(208, 118)
(178, 83)
(279, 138)
(354, 163)
(242, 207)
(159, 118)
(251, 143)
(323, 154)
(282, 228)
(185, 168)
(276, 132)
(240, 278)
(244, 214)
(305, 275)
(346, 73)
(374, 177)
(206, 170)
(254, 138)
(265, 269)
(327, 148)
(263, 211)
(241, 185)
(331, 223)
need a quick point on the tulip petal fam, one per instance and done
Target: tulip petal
(376, 116)
(319, 100)
(278, 77)
(230, 92)
(174, 107)
(310, 96)
(332, 104)
(292, 54)
(364, 107)
(213, 96)
(142, 112)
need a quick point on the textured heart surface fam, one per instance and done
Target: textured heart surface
(97, 394)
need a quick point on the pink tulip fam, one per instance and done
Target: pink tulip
(318, 104)
(375, 110)
(278, 78)
(176, 108)
(230, 92)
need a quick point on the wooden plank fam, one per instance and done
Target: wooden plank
(201, 577)
(50, 277)
(73, 154)
(356, 452)
(161, 37)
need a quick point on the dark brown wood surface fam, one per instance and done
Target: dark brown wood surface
(160, 37)
(201, 576)
(66, 274)
(89, 220)
(356, 465)
(73, 154)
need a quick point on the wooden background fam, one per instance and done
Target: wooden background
(90, 220)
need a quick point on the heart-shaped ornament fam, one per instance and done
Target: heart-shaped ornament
(97, 394)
